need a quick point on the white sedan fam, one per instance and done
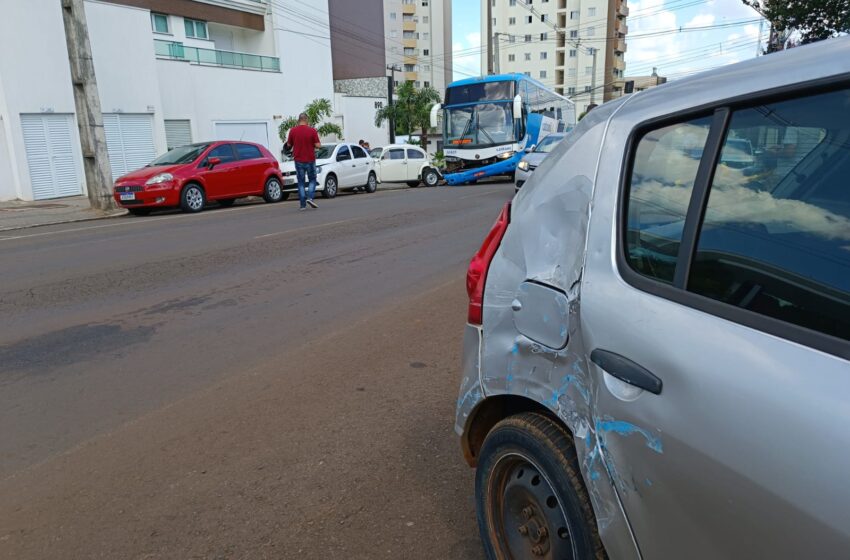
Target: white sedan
(338, 167)
(402, 163)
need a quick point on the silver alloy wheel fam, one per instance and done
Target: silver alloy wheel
(431, 178)
(372, 184)
(194, 198)
(330, 187)
(274, 190)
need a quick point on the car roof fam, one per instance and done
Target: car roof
(404, 146)
(773, 72)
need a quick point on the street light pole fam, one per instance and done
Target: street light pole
(390, 85)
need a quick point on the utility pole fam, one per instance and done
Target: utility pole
(496, 65)
(390, 85)
(87, 102)
(489, 37)
(593, 51)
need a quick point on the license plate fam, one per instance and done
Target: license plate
(128, 196)
(289, 181)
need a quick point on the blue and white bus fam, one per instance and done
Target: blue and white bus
(489, 122)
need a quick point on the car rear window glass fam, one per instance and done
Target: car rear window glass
(663, 174)
(358, 152)
(775, 237)
(415, 154)
(247, 151)
(223, 152)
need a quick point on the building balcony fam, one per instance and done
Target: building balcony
(408, 8)
(623, 10)
(620, 45)
(408, 26)
(409, 43)
(210, 57)
(621, 27)
(253, 6)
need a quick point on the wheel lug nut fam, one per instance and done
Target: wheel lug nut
(523, 530)
(537, 550)
(542, 532)
(527, 512)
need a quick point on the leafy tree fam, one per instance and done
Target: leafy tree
(317, 110)
(813, 19)
(411, 110)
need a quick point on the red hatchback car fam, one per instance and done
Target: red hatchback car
(191, 175)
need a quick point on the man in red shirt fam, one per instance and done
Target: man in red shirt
(303, 140)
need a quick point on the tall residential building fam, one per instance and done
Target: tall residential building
(418, 36)
(554, 41)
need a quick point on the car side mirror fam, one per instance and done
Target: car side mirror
(213, 161)
(530, 148)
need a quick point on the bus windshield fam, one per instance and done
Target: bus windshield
(480, 125)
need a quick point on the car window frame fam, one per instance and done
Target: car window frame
(416, 151)
(240, 158)
(721, 112)
(354, 149)
(205, 159)
(339, 151)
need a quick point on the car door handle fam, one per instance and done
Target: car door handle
(626, 370)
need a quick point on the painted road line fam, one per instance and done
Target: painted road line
(264, 236)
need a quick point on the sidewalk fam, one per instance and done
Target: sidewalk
(19, 214)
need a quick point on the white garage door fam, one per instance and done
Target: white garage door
(178, 132)
(49, 143)
(129, 141)
(256, 132)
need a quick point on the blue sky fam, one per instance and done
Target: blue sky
(675, 54)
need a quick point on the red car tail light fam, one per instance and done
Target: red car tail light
(476, 276)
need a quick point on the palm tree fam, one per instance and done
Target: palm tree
(411, 110)
(316, 110)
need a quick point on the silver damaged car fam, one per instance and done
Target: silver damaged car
(657, 355)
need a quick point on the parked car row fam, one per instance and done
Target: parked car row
(190, 176)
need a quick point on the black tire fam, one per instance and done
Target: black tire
(430, 177)
(192, 198)
(331, 186)
(273, 190)
(139, 211)
(413, 184)
(371, 184)
(528, 478)
(226, 202)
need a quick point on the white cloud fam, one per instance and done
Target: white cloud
(467, 56)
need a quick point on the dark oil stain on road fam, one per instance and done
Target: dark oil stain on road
(70, 345)
(418, 365)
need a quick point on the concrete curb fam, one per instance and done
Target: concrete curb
(69, 221)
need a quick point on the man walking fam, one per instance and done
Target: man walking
(303, 139)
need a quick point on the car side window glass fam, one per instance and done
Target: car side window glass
(775, 238)
(395, 154)
(223, 152)
(247, 151)
(343, 153)
(663, 174)
(415, 154)
(358, 152)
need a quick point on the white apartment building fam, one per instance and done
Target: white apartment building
(554, 41)
(168, 71)
(418, 35)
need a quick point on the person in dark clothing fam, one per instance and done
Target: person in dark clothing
(303, 140)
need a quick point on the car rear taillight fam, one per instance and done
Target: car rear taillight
(476, 276)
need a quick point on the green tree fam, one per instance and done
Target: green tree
(814, 20)
(411, 110)
(317, 110)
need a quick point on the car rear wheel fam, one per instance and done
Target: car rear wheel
(430, 177)
(372, 183)
(331, 187)
(413, 184)
(226, 202)
(530, 500)
(140, 211)
(272, 192)
(192, 199)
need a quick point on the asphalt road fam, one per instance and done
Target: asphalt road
(253, 382)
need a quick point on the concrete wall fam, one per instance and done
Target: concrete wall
(358, 119)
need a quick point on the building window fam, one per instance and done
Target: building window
(409, 68)
(427, 84)
(195, 28)
(591, 31)
(544, 55)
(591, 12)
(528, 56)
(527, 74)
(416, 84)
(588, 70)
(542, 74)
(529, 19)
(512, 21)
(586, 89)
(511, 39)
(544, 36)
(426, 36)
(571, 91)
(494, 22)
(426, 67)
(574, 14)
(512, 3)
(573, 53)
(393, 16)
(426, 19)
(425, 52)
(511, 58)
(528, 38)
(159, 22)
(393, 33)
(573, 34)
(424, 2)
(571, 72)
(543, 17)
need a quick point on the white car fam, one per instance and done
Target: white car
(338, 167)
(402, 163)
